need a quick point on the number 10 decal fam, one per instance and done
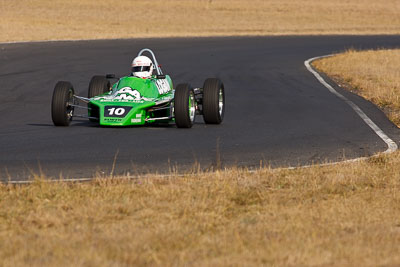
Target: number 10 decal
(116, 111)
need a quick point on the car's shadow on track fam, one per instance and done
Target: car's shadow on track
(96, 125)
(148, 126)
(40, 124)
(75, 123)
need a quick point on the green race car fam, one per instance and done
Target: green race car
(142, 98)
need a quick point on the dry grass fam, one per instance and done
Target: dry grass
(375, 75)
(336, 215)
(25, 20)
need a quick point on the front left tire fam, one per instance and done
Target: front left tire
(185, 106)
(213, 101)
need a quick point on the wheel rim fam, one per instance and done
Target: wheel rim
(192, 107)
(70, 108)
(220, 101)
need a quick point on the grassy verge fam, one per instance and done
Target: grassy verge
(335, 215)
(26, 20)
(375, 75)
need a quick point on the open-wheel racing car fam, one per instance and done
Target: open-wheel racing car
(142, 98)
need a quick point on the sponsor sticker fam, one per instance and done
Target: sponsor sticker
(163, 86)
(125, 94)
(112, 120)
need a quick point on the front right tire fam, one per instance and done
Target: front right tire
(61, 104)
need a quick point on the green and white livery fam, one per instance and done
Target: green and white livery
(136, 100)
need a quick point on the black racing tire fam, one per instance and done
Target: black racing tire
(185, 106)
(61, 110)
(98, 85)
(213, 96)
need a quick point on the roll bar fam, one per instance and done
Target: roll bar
(159, 71)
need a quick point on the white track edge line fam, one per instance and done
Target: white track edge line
(392, 146)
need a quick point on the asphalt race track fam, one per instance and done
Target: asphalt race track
(277, 113)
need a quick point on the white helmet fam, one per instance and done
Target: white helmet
(142, 67)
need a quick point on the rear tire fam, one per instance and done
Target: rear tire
(213, 101)
(98, 85)
(185, 106)
(61, 109)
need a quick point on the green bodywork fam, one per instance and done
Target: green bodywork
(131, 100)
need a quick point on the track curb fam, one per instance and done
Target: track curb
(392, 146)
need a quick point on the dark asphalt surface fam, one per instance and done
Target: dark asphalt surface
(277, 113)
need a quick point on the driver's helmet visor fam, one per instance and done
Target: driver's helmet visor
(140, 69)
